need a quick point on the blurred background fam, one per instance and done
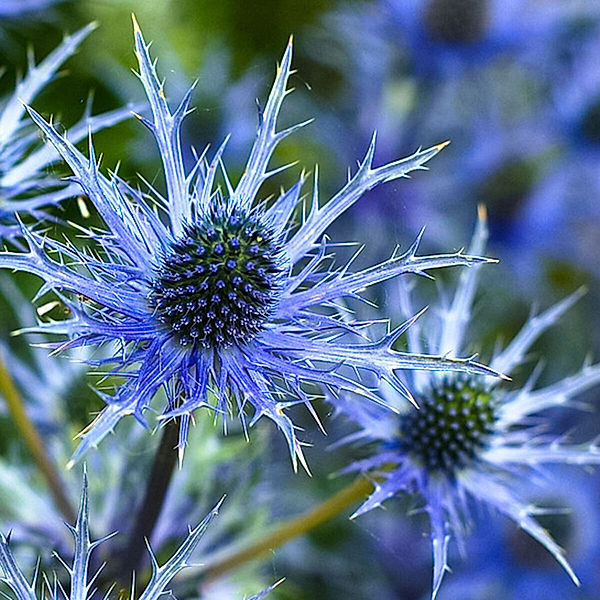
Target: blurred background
(515, 86)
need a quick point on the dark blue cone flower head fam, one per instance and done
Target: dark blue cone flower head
(225, 297)
(471, 444)
(25, 185)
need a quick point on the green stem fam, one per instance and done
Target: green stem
(150, 508)
(288, 530)
(34, 443)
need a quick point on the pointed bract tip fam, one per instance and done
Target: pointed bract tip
(419, 314)
(219, 503)
(136, 26)
(413, 401)
(482, 212)
(440, 147)
(291, 40)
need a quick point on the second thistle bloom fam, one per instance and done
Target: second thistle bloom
(212, 292)
(471, 443)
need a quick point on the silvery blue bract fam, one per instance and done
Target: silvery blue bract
(83, 586)
(25, 183)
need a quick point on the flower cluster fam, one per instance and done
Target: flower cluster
(205, 295)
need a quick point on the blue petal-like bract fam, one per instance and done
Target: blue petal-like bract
(25, 184)
(82, 585)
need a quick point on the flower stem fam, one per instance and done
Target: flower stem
(154, 497)
(34, 443)
(288, 530)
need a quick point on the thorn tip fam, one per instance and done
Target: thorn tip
(136, 27)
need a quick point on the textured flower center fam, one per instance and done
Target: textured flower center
(454, 422)
(219, 282)
(457, 21)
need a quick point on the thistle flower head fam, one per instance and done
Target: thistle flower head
(210, 288)
(471, 441)
(217, 285)
(24, 184)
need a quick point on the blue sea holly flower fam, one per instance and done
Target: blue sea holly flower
(211, 294)
(567, 191)
(83, 586)
(471, 442)
(25, 185)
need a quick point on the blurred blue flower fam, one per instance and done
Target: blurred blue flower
(17, 8)
(25, 185)
(82, 585)
(513, 84)
(445, 37)
(560, 217)
(228, 299)
(471, 442)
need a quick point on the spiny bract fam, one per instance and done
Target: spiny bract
(24, 184)
(470, 442)
(211, 293)
(83, 586)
